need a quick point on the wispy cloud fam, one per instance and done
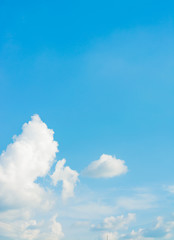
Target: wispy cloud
(162, 230)
(139, 201)
(170, 189)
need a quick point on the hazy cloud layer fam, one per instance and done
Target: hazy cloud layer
(170, 189)
(138, 201)
(161, 230)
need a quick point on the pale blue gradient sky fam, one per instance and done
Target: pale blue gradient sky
(101, 75)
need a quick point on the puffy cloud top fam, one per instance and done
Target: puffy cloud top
(30, 156)
(106, 167)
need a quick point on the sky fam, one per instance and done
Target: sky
(86, 120)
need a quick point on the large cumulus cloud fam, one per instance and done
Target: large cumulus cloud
(29, 156)
(22, 199)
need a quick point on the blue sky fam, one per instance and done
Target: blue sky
(100, 74)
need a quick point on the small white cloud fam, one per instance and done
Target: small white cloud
(56, 230)
(170, 189)
(68, 176)
(115, 223)
(106, 167)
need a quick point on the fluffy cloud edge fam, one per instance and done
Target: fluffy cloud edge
(68, 177)
(22, 198)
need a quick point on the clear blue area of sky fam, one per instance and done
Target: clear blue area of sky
(100, 74)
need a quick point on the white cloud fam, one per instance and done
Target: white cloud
(170, 189)
(56, 231)
(30, 156)
(19, 230)
(68, 176)
(161, 230)
(22, 199)
(115, 223)
(18, 224)
(106, 167)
